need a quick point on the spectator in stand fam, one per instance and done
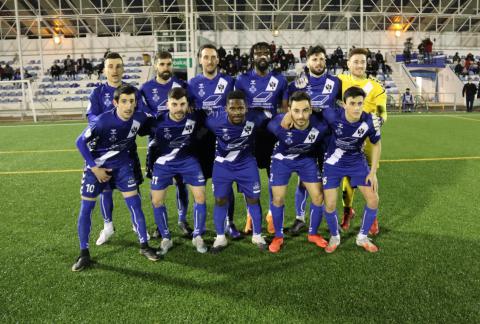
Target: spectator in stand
(458, 68)
(231, 69)
(421, 53)
(467, 64)
(2, 71)
(335, 62)
(369, 69)
(428, 49)
(339, 54)
(379, 57)
(228, 59)
(470, 57)
(273, 49)
(280, 52)
(284, 63)
(469, 91)
(303, 55)
(407, 50)
(81, 64)
(290, 60)
(329, 63)
(8, 72)
(244, 62)
(222, 53)
(69, 67)
(456, 58)
(374, 67)
(55, 71)
(236, 51)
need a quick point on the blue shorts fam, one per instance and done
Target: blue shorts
(245, 174)
(123, 179)
(189, 169)
(333, 175)
(306, 168)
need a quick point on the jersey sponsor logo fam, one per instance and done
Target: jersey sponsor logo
(134, 128)
(162, 106)
(247, 129)
(361, 131)
(221, 86)
(328, 88)
(272, 84)
(189, 126)
(312, 136)
(319, 101)
(262, 98)
(211, 101)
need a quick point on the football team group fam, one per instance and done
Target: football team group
(325, 128)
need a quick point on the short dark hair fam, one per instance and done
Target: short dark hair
(163, 55)
(204, 46)
(257, 46)
(299, 96)
(353, 92)
(236, 94)
(316, 50)
(177, 93)
(355, 51)
(113, 55)
(124, 89)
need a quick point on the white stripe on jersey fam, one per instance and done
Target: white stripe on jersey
(170, 156)
(101, 160)
(335, 157)
(231, 156)
(280, 156)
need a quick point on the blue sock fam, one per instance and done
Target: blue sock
(256, 214)
(332, 221)
(134, 205)
(85, 222)
(199, 218)
(182, 201)
(301, 196)
(106, 204)
(161, 219)
(369, 216)
(316, 214)
(219, 216)
(277, 215)
(231, 206)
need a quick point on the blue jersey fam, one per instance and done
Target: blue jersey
(323, 91)
(107, 140)
(265, 92)
(101, 100)
(345, 147)
(173, 138)
(209, 95)
(295, 144)
(235, 142)
(156, 94)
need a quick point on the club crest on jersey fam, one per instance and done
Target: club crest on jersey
(107, 101)
(113, 135)
(225, 135)
(339, 129)
(247, 130)
(134, 128)
(189, 126)
(289, 139)
(361, 130)
(221, 86)
(155, 96)
(253, 87)
(272, 84)
(201, 90)
(328, 88)
(166, 133)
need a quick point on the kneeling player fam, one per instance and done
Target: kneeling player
(295, 152)
(173, 132)
(345, 158)
(105, 146)
(234, 162)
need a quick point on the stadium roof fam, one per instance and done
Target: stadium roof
(143, 17)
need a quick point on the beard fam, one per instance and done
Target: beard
(165, 75)
(317, 72)
(262, 65)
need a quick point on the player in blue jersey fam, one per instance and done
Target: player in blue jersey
(295, 152)
(324, 89)
(208, 94)
(345, 158)
(174, 132)
(265, 90)
(105, 146)
(235, 130)
(100, 101)
(155, 93)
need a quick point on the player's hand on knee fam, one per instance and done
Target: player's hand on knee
(373, 181)
(287, 121)
(101, 174)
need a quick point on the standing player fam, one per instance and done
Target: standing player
(375, 102)
(155, 93)
(351, 127)
(324, 89)
(174, 132)
(105, 146)
(265, 90)
(100, 101)
(234, 162)
(295, 152)
(208, 94)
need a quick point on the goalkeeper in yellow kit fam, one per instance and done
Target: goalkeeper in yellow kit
(375, 102)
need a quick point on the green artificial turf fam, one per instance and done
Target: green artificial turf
(427, 269)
